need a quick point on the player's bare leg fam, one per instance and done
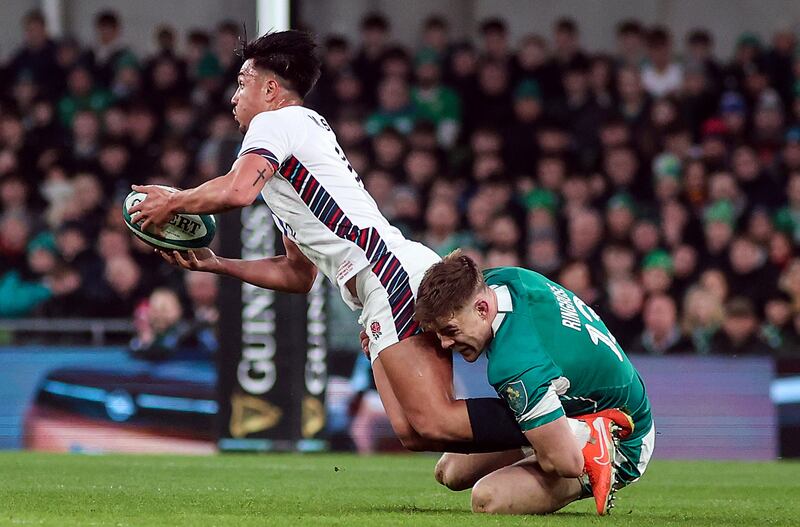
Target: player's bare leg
(420, 375)
(397, 417)
(462, 471)
(524, 488)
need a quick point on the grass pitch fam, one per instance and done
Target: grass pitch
(327, 489)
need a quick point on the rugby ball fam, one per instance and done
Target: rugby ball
(184, 231)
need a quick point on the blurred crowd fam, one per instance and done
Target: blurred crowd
(660, 182)
(81, 122)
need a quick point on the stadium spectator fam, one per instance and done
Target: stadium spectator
(622, 313)
(656, 274)
(662, 335)
(577, 277)
(719, 224)
(713, 280)
(791, 345)
(442, 233)
(494, 40)
(202, 290)
(776, 329)
(661, 75)
(700, 52)
(162, 333)
(778, 62)
(585, 236)
(789, 281)
(225, 46)
(787, 219)
(533, 65)
(375, 34)
(543, 255)
(601, 82)
(620, 217)
(567, 52)
(202, 67)
(336, 59)
(619, 261)
(579, 108)
(702, 317)
(436, 36)
(630, 43)
(747, 57)
(35, 60)
(395, 109)
(750, 275)
(122, 288)
(739, 333)
(685, 271)
(434, 102)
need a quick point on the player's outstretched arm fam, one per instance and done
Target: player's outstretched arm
(290, 273)
(236, 189)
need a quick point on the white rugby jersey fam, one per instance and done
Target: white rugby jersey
(317, 199)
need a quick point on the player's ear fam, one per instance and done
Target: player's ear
(482, 307)
(270, 88)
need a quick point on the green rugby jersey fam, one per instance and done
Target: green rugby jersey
(546, 338)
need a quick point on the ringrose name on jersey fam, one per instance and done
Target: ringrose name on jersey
(569, 315)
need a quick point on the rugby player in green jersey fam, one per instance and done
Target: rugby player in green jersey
(551, 358)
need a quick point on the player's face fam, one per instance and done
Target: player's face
(467, 332)
(251, 97)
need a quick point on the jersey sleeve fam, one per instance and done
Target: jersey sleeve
(533, 401)
(522, 372)
(272, 135)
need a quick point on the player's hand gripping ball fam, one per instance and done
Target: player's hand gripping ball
(183, 232)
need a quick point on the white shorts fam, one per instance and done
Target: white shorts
(388, 289)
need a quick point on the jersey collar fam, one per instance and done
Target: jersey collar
(504, 305)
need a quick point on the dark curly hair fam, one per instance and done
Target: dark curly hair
(289, 54)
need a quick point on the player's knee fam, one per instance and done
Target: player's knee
(489, 497)
(486, 498)
(440, 470)
(448, 474)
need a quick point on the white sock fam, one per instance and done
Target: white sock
(581, 431)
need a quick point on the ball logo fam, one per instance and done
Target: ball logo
(185, 224)
(375, 329)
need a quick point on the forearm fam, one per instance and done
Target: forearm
(212, 197)
(236, 189)
(279, 273)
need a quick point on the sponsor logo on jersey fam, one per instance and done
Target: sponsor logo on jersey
(375, 329)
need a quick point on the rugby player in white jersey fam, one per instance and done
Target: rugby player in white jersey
(330, 223)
